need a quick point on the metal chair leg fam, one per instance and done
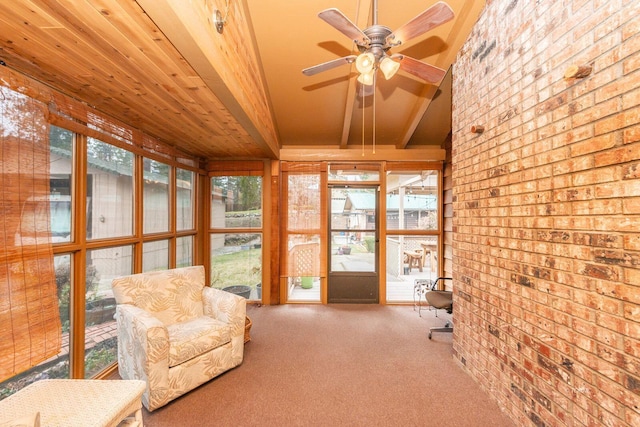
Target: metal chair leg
(446, 328)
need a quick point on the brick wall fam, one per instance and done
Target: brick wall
(546, 202)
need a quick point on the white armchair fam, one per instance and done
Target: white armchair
(174, 333)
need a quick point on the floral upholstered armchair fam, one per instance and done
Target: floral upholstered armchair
(174, 333)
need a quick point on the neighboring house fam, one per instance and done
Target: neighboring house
(358, 211)
(110, 208)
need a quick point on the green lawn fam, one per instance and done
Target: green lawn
(238, 268)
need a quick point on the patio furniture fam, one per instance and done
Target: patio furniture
(420, 287)
(75, 403)
(430, 249)
(440, 299)
(174, 333)
(413, 259)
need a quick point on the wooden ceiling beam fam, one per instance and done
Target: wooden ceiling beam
(383, 153)
(224, 62)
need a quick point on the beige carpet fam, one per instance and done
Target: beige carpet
(338, 365)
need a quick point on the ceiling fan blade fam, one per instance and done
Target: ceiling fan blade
(434, 16)
(340, 22)
(420, 69)
(328, 65)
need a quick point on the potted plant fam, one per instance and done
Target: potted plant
(242, 290)
(306, 282)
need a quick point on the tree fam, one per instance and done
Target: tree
(246, 191)
(250, 192)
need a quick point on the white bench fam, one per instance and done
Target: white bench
(81, 403)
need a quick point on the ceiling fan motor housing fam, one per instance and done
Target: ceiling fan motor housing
(377, 40)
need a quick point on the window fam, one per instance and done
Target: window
(109, 191)
(236, 202)
(236, 263)
(235, 246)
(103, 265)
(155, 255)
(184, 199)
(60, 184)
(353, 173)
(156, 197)
(184, 251)
(412, 240)
(412, 200)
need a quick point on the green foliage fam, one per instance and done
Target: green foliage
(100, 356)
(250, 192)
(370, 243)
(63, 284)
(184, 175)
(98, 150)
(245, 190)
(61, 138)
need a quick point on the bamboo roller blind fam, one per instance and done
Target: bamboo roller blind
(303, 218)
(30, 330)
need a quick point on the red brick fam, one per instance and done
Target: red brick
(631, 206)
(631, 98)
(610, 124)
(615, 156)
(625, 188)
(594, 176)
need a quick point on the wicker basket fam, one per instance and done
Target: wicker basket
(247, 328)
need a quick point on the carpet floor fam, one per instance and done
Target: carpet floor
(339, 365)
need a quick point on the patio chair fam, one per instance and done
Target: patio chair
(440, 300)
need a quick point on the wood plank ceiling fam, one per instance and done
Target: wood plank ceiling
(161, 66)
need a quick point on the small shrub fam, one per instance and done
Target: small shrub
(370, 243)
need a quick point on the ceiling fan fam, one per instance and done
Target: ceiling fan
(375, 41)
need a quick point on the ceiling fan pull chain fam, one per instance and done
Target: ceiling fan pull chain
(374, 114)
(362, 97)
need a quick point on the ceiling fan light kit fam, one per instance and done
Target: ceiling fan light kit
(389, 67)
(365, 62)
(366, 78)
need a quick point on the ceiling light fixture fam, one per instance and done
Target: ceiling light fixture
(366, 78)
(365, 62)
(389, 67)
